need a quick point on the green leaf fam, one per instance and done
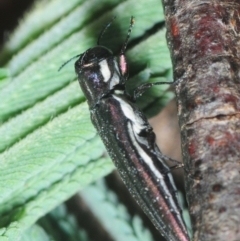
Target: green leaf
(61, 225)
(19, 126)
(113, 215)
(35, 23)
(41, 79)
(47, 167)
(35, 233)
(3, 73)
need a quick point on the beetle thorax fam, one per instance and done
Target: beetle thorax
(99, 73)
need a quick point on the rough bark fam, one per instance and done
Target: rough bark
(204, 40)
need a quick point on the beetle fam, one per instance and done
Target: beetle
(129, 138)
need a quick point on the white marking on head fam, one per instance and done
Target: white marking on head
(119, 92)
(87, 65)
(104, 68)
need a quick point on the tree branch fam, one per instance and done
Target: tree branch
(203, 38)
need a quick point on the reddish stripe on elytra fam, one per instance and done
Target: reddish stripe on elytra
(169, 216)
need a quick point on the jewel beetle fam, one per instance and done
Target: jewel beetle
(128, 137)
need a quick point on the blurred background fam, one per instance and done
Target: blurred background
(10, 13)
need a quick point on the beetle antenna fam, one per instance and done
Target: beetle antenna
(104, 29)
(128, 36)
(77, 56)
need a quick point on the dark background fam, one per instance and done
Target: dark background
(10, 13)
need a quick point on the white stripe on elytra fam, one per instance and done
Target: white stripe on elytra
(148, 161)
(134, 128)
(105, 71)
(138, 123)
